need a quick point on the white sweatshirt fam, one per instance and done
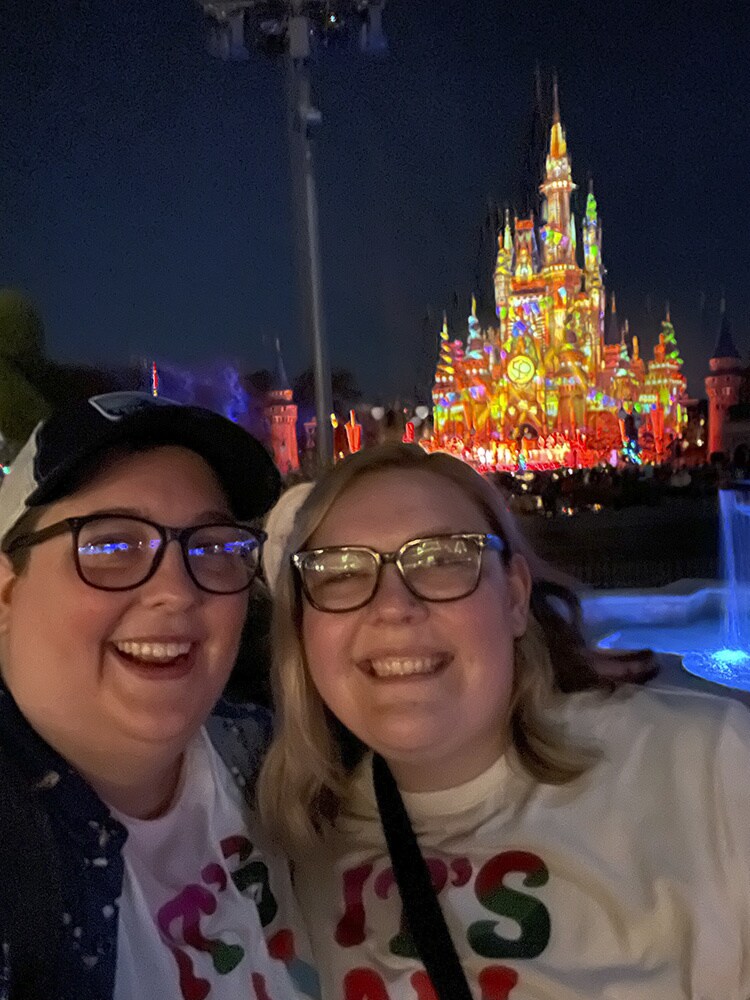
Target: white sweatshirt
(630, 883)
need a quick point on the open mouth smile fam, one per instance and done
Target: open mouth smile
(155, 654)
(386, 667)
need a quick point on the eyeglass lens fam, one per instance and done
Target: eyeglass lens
(118, 553)
(435, 569)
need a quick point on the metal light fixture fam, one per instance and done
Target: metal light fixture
(298, 29)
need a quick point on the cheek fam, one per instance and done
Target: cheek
(225, 619)
(53, 648)
(324, 641)
(488, 628)
(73, 617)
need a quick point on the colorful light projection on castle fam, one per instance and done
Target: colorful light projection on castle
(545, 389)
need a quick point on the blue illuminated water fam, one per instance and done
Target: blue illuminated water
(700, 644)
(708, 627)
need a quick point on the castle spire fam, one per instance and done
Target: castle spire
(280, 380)
(507, 235)
(723, 384)
(668, 313)
(592, 235)
(555, 101)
(558, 147)
(725, 347)
(613, 330)
(556, 190)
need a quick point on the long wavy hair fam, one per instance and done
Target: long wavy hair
(313, 754)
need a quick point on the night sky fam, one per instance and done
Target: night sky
(145, 190)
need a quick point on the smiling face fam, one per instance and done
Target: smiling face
(427, 685)
(128, 675)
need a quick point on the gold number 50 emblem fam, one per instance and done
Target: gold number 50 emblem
(521, 369)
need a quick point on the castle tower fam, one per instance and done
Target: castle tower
(475, 341)
(560, 270)
(723, 384)
(558, 231)
(281, 413)
(594, 277)
(503, 271)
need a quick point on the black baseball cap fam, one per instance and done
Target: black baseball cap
(46, 467)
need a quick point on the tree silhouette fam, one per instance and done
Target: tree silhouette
(22, 405)
(344, 390)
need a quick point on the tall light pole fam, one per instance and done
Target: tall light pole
(291, 28)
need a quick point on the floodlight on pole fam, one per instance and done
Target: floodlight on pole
(292, 28)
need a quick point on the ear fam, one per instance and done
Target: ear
(519, 594)
(8, 580)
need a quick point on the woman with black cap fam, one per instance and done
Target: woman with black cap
(132, 863)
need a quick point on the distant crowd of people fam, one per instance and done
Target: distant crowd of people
(604, 487)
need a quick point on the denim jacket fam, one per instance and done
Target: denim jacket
(61, 864)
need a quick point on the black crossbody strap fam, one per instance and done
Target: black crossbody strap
(424, 916)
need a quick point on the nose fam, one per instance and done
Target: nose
(171, 585)
(393, 602)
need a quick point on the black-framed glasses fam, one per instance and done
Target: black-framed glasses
(121, 552)
(439, 568)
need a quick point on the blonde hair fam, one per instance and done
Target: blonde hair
(313, 754)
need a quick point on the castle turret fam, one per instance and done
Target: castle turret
(281, 413)
(594, 271)
(592, 250)
(503, 271)
(557, 235)
(613, 324)
(637, 364)
(525, 252)
(475, 341)
(723, 384)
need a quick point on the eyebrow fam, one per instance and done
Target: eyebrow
(432, 533)
(202, 517)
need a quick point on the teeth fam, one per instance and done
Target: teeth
(403, 666)
(158, 652)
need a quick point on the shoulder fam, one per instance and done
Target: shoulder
(659, 713)
(30, 890)
(241, 734)
(675, 736)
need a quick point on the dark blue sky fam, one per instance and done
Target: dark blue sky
(145, 195)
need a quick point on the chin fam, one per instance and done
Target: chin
(409, 752)
(163, 729)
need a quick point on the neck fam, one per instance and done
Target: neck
(437, 775)
(144, 792)
(137, 779)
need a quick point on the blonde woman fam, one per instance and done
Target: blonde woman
(582, 838)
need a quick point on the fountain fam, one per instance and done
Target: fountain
(729, 662)
(707, 625)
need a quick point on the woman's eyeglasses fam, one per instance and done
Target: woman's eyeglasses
(440, 568)
(113, 552)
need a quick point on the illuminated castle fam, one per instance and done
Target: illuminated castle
(545, 388)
